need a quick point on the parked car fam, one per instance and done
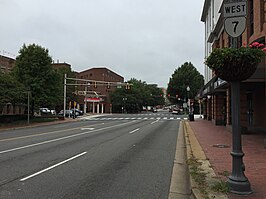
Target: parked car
(77, 112)
(154, 109)
(68, 113)
(45, 110)
(53, 112)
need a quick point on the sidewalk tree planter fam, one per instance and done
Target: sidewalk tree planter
(236, 64)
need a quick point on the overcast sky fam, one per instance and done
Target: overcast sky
(142, 39)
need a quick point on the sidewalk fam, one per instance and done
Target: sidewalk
(210, 137)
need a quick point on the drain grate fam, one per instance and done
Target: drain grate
(221, 145)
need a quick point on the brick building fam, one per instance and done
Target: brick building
(102, 82)
(216, 93)
(6, 63)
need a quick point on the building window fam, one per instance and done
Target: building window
(251, 17)
(90, 74)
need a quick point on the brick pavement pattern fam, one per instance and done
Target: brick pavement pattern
(209, 136)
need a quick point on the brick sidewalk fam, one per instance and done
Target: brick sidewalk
(210, 135)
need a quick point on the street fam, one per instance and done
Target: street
(111, 156)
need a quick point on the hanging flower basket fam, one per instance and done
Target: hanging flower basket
(236, 64)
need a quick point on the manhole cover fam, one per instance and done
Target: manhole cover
(221, 145)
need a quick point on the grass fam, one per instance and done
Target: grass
(25, 122)
(221, 187)
(199, 176)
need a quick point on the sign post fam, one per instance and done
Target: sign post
(234, 12)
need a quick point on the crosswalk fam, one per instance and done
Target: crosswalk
(131, 118)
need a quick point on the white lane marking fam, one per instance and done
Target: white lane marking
(40, 134)
(134, 131)
(165, 118)
(63, 138)
(51, 167)
(155, 121)
(87, 129)
(171, 118)
(145, 118)
(178, 118)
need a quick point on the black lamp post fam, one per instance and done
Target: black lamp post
(237, 181)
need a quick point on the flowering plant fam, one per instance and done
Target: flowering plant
(236, 64)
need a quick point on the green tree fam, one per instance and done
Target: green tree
(140, 94)
(186, 75)
(11, 90)
(34, 70)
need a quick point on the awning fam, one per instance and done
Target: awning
(209, 87)
(214, 85)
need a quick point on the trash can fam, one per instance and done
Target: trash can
(191, 117)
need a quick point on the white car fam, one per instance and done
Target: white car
(45, 110)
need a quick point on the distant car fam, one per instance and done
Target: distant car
(176, 111)
(45, 110)
(77, 112)
(53, 112)
(68, 113)
(154, 109)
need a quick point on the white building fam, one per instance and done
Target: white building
(213, 28)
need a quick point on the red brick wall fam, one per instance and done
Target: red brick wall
(104, 75)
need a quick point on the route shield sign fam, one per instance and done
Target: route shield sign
(234, 12)
(235, 26)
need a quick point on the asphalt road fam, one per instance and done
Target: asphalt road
(112, 156)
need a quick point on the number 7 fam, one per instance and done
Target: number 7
(235, 23)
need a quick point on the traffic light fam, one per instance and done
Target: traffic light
(127, 86)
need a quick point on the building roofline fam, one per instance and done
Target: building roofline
(7, 57)
(205, 10)
(101, 67)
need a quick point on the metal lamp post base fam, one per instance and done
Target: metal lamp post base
(237, 186)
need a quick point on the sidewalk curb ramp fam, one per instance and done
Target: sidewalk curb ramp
(194, 150)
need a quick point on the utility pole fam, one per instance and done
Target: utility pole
(65, 84)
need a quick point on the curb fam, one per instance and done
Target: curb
(195, 150)
(180, 183)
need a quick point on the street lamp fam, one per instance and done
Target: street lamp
(188, 89)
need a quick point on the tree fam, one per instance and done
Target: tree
(11, 90)
(140, 94)
(186, 75)
(34, 70)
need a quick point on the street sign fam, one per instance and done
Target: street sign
(235, 26)
(235, 8)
